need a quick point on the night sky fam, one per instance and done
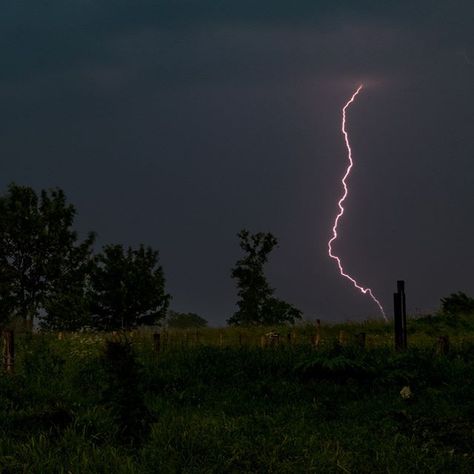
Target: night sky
(177, 123)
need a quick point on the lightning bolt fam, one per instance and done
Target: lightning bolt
(365, 291)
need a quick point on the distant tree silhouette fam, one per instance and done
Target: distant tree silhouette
(40, 256)
(69, 307)
(127, 288)
(185, 320)
(457, 303)
(256, 302)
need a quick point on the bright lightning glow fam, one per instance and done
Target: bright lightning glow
(366, 291)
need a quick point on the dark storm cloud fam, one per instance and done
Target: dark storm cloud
(176, 123)
(42, 36)
(182, 41)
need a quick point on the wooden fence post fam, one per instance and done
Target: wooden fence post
(316, 338)
(8, 351)
(400, 317)
(263, 341)
(343, 338)
(156, 342)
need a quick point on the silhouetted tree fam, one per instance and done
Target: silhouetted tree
(39, 252)
(457, 303)
(256, 304)
(127, 288)
(276, 311)
(185, 320)
(69, 307)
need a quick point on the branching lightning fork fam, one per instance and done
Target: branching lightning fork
(365, 291)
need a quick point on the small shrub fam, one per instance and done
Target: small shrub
(122, 391)
(457, 303)
(337, 368)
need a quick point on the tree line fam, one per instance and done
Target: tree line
(49, 275)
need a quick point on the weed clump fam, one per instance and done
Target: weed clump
(122, 390)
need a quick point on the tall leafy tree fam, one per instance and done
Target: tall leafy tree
(256, 303)
(39, 251)
(127, 288)
(67, 306)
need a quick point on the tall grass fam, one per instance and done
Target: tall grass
(209, 404)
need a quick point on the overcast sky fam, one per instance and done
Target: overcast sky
(177, 123)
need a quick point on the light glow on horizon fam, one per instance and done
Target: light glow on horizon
(365, 291)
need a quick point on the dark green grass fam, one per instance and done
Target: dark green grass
(237, 409)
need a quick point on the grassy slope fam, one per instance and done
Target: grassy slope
(242, 409)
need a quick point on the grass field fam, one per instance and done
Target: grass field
(217, 402)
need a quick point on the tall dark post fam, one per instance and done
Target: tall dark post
(401, 290)
(397, 321)
(400, 316)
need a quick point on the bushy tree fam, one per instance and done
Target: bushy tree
(69, 308)
(67, 305)
(39, 251)
(127, 288)
(185, 320)
(276, 311)
(457, 303)
(256, 303)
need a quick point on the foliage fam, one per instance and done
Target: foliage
(256, 304)
(234, 409)
(123, 392)
(276, 311)
(457, 303)
(339, 368)
(67, 307)
(435, 325)
(7, 295)
(184, 320)
(127, 288)
(40, 257)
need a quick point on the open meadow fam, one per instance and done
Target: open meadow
(216, 401)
